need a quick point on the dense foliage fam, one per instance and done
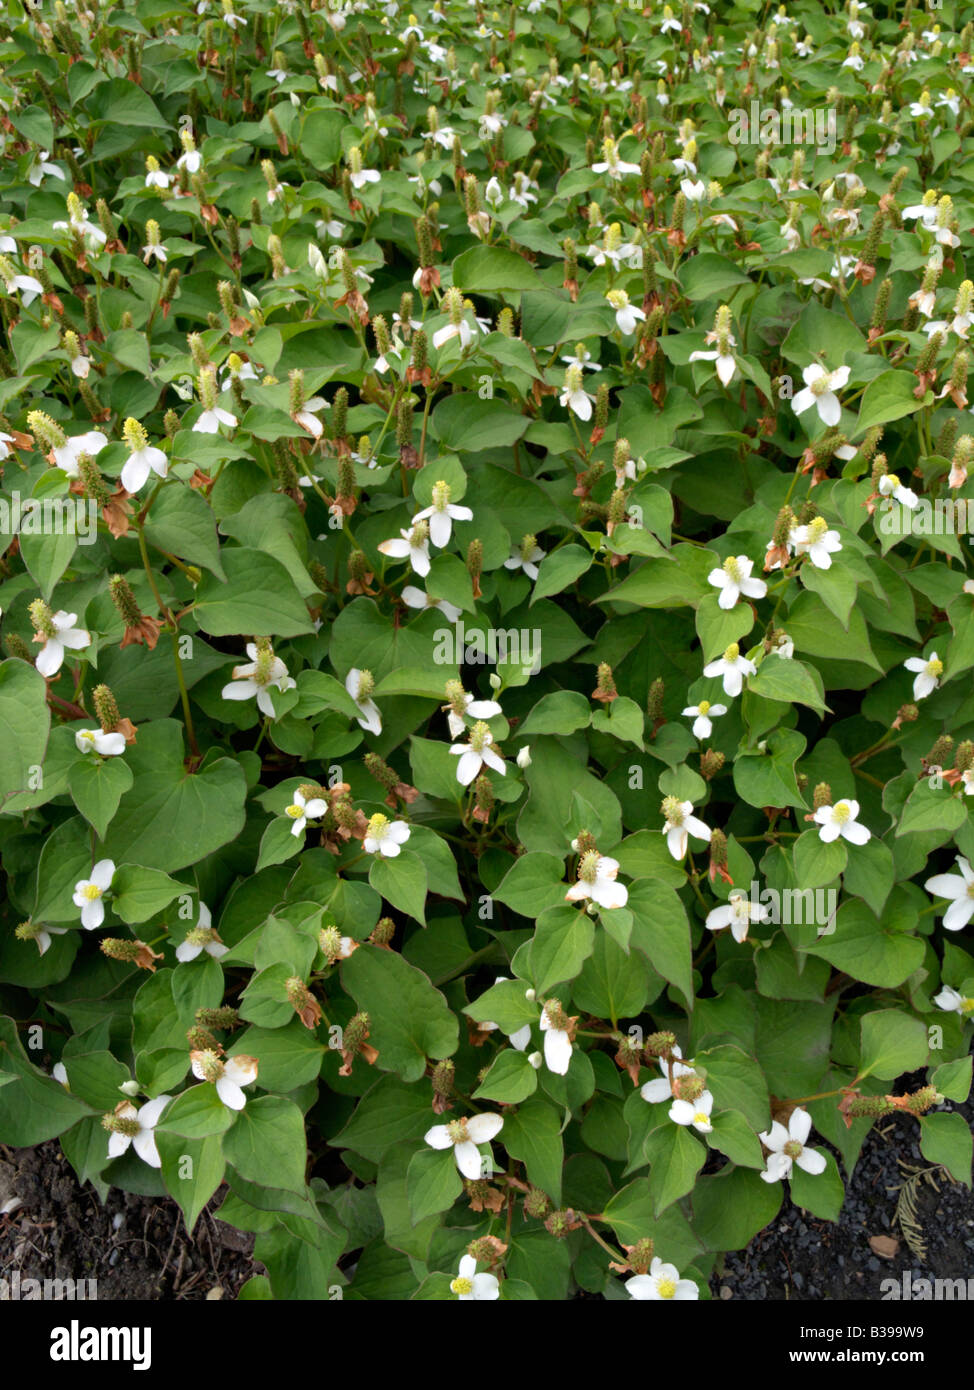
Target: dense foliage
(486, 700)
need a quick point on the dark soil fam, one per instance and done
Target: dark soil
(135, 1247)
(800, 1258)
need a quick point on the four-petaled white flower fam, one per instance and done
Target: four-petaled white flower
(787, 1147)
(734, 579)
(140, 463)
(385, 837)
(693, 1112)
(737, 913)
(927, 674)
(441, 515)
(144, 1140)
(703, 714)
(820, 389)
(256, 678)
(471, 1286)
(662, 1282)
(66, 455)
(526, 558)
(840, 820)
(958, 889)
(201, 938)
(732, 668)
(476, 753)
(89, 893)
(360, 685)
(680, 822)
(412, 545)
(724, 361)
(64, 636)
(816, 541)
(229, 1077)
(94, 741)
(597, 880)
(627, 315)
(463, 1136)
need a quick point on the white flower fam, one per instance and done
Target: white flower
(94, 741)
(737, 913)
(694, 190)
(494, 193)
(926, 212)
(42, 937)
(201, 938)
(679, 823)
(361, 177)
(210, 421)
(526, 559)
(144, 1142)
(627, 315)
(301, 810)
(703, 714)
(309, 421)
(732, 667)
(524, 756)
(840, 820)
(191, 161)
(659, 1090)
(65, 635)
(953, 1002)
(734, 579)
(816, 541)
(66, 455)
(463, 1136)
(693, 1112)
(461, 330)
(27, 285)
(255, 679)
(416, 598)
(574, 395)
(725, 364)
(91, 233)
(820, 388)
(88, 894)
(140, 463)
(42, 166)
(442, 514)
(470, 1286)
(360, 685)
(477, 709)
(662, 1282)
(385, 837)
(788, 1147)
(412, 545)
(475, 754)
(928, 673)
(557, 1045)
(958, 889)
(157, 178)
(596, 880)
(229, 1076)
(890, 486)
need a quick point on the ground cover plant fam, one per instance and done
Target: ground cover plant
(488, 621)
